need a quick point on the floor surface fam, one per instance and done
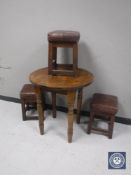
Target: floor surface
(23, 151)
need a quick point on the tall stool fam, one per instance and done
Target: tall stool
(28, 99)
(105, 106)
(63, 39)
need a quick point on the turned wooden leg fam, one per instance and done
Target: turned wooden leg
(111, 126)
(40, 109)
(79, 103)
(54, 104)
(70, 101)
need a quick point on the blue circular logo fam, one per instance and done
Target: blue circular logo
(117, 160)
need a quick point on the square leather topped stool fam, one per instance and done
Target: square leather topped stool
(62, 39)
(28, 100)
(105, 106)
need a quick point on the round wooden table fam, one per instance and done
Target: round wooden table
(70, 84)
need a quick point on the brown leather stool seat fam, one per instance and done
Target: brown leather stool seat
(105, 106)
(28, 98)
(63, 39)
(63, 36)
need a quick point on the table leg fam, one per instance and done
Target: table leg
(79, 103)
(70, 100)
(40, 109)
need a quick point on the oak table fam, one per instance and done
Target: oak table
(70, 84)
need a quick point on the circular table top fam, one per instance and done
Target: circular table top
(41, 77)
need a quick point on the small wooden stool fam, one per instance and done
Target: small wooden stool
(64, 39)
(105, 106)
(28, 97)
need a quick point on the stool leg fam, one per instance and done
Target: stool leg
(23, 110)
(111, 126)
(27, 107)
(54, 57)
(50, 55)
(79, 103)
(75, 57)
(90, 122)
(54, 104)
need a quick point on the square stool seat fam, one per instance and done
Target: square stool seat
(63, 36)
(62, 39)
(28, 92)
(104, 106)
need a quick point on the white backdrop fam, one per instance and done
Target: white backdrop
(104, 47)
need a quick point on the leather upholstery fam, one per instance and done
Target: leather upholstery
(63, 36)
(105, 104)
(28, 92)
